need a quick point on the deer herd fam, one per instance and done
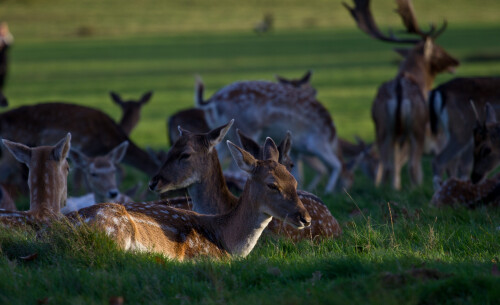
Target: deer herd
(456, 122)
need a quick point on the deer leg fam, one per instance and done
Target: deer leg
(333, 161)
(415, 167)
(443, 158)
(396, 168)
(319, 168)
(385, 165)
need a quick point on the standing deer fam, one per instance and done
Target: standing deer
(400, 110)
(486, 144)
(48, 173)
(193, 163)
(452, 115)
(94, 132)
(180, 234)
(131, 110)
(6, 40)
(266, 108)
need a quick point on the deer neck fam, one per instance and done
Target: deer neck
(415, 68)
(210, 195)
(241, 228)
(44, 200)
(128, 122)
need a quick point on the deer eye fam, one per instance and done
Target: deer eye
(273, 187)
(184, 156)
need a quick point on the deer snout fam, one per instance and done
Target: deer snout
(113, 193)
(305, 219)
(154, 182)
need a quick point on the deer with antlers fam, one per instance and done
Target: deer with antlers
(452, 114)
(400, 110)
(193, 163)
(180, 234)
(48, 172)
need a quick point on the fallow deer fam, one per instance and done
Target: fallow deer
(452, 115)
(193, 163)
(6, 40)
(131, 110)
(265, 25)
(455, 193)
(267, 108)
(94, 132)
(48, 172)
(180, 234)
(486, 144)
(100, 176)
(6, 201)
(400, 110)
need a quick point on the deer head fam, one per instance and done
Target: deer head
(434, 57)
(189, 155)
(131, 110)
(271, 184)
(100, 171)
(486, 144)
(48, 173)
(300, 83)
(257, 151)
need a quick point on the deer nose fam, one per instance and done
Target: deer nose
(153, 183)
(112, 194)
(306, 220)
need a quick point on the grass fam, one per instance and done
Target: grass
(384, 247)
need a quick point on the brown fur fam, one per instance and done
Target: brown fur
(131, 110)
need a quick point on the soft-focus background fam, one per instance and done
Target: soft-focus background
(77, 51)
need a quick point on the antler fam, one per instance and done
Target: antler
(365, 21)
(407, 13)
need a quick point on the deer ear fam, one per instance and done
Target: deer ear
(21, 152)
(243, 159)
(216, 135)
(182, 131)
(491, 116)
(428, 48)
(285, 146)
(61, 149)
(270, 150)
(117, 154)
(146, 97)
(78, 158)
(248, 144)
(306, 78)
(116, 98)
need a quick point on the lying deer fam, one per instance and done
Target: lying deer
(267, 108)
(486, 144)
(455, 193)
(100, 176)
(193, 163)
(48, 172)
(94, 132)
(131, 110)
(400, 110)
(180, 234)
(452, 114)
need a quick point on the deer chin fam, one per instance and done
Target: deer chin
(162, 188)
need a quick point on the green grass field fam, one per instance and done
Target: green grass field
(156, 45)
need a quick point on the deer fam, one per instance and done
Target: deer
(94, 132)
(6, 201)
(193, 163)
(47, 180)
(100, 177)
(6, 40)
(181, 234)
(131, 110)
(455, 193)
(265, 25)
(452, 115)
(486, 144)
(400, 109)
(267, 108)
